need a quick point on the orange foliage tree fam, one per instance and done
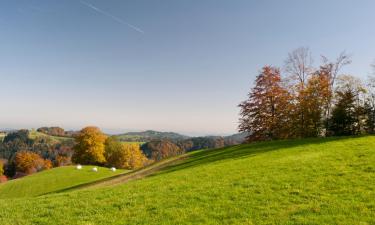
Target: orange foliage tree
(266, 114)
(89, 147)
(29, 162)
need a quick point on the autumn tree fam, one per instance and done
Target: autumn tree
(29, 162)
(124, 155)
(89, 147)
(315, 97)
(266, 113)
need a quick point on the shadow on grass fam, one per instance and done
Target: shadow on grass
(239, 151)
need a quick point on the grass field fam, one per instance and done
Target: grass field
(54, 180)
(311, 181)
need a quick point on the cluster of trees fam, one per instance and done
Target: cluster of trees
(308, 101)
(56, 131)
(20, 155)
(164, 148)
(93, 147)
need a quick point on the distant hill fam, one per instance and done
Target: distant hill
(149, 135)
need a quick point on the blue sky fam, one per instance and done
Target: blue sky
(165, 65)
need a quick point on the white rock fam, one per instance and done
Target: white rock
(95, 169)
(113, 169)
(79, 167)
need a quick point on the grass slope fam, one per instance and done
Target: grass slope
(54, 180)
(313, 181)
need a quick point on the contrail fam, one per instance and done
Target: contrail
(111, 16)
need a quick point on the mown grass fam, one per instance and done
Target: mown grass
(311, 181)
(54, 180)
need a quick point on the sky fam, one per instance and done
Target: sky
(168, 65)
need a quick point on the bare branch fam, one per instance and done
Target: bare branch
(333, 68)
(299, 64)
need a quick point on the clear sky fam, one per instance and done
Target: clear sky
(164, 64)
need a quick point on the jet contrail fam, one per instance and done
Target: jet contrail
(111, 16)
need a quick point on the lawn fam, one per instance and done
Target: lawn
(311, 181)
(54, 180)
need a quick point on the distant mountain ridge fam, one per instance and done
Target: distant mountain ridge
(149, 135)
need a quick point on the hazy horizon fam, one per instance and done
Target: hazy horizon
(180, 66)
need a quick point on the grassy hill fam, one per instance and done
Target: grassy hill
(54, 180)
(35, 134)
(311, 181)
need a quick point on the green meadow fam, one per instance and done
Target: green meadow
(54, 180)
(308, 181)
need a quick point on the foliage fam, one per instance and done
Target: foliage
(89, 147)
(161, 149)
(308, 102)
(29, 162)
(265, 115)
(125, 156)
(21, 136)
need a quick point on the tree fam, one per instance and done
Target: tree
(112, 148)
(89, 147)
(343, 114)
(331, 69)
(315, 97)
(123, 155)
(369, 105)
(298, 66)
(28, 162)
(266, 113)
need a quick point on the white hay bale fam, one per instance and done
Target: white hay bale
(95, 169)
(113, 169)
(78, 167)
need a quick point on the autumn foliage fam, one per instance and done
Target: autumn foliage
(124, 155)
(28, 162)
(307, 102)
(89, 147)
(267, 111)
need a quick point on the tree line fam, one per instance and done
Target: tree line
(301, 101)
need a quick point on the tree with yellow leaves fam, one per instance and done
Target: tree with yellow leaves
(89, 147)
(124, 155)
